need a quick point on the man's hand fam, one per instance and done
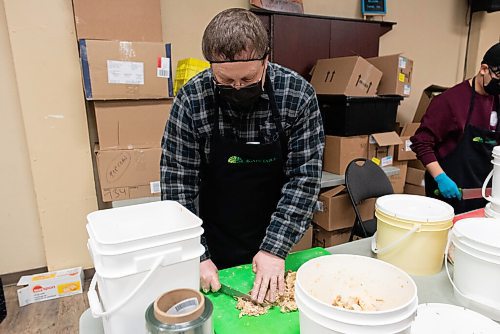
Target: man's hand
(269, 276)
(209, 276)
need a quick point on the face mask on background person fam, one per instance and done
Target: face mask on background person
(493, 87)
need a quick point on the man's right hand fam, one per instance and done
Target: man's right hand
(209, 276)
(447, 187)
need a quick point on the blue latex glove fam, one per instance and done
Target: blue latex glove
(447, 187)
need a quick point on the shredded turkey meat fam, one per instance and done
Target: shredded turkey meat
(352, 303)
(286, 302)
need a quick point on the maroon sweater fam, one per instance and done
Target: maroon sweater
(444, 122)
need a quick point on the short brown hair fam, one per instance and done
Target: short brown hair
(233, 31)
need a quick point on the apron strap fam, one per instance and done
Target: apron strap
(276, 118)
(472, 101)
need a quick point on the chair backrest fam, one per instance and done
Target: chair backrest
(364, 179)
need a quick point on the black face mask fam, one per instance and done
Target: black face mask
(243, 98)
(493, 87)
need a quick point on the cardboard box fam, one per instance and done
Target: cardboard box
(126, 174)
(128, 20)
(397, 71)
(403, 152)
(398, 180)
(381, 147)
(114, 70)
(427, 95)
(51, 285)
(414, 190)
(415, 176)
(336, 210)
(417, 164)
(352, 76)
(128, 124)
(305, 242)
(340, 151)
(324, 238)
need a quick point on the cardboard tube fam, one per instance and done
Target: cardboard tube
(163, 303)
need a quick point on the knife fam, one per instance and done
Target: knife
(470, 193)
(234, 293)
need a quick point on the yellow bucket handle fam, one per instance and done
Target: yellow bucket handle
(391, 246)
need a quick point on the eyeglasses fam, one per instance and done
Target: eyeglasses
(496, 71)
(251, 82)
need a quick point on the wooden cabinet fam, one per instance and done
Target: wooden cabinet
(297, 41)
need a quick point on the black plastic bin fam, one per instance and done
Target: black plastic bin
(3, 304)
(352, 115)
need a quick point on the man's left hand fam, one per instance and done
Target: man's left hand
(269, 272)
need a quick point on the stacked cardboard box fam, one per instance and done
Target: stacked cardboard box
(335, 218)
(128, 85)
(415, 175)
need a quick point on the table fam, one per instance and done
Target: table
(332, 180)
(430, 289)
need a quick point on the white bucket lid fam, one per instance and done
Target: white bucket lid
(451, 319)
(415, 208)
(139, 222)
(480, 233)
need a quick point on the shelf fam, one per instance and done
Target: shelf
(332, 180)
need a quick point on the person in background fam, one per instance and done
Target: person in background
(457, 135)
(245, 136)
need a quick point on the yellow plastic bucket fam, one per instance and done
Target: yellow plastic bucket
(412, 232)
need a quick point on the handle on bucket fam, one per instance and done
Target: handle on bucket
(95, 302)
(453, 283)
(483, 190)
(393, 244)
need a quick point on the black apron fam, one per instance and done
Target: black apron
(240, 189)
(469, 163)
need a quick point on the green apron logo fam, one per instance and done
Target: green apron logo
(234, 159)
(487, 141)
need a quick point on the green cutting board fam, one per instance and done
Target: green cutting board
(226, 316)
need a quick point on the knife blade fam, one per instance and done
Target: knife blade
(473, 193)
(469, 193)
(227, 290)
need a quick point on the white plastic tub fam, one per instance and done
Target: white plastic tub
(392, 291)
(140, 252)
(477, 265)
(451, 319)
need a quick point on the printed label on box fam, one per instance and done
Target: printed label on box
(163, 70)
(155, 187)
(407, 145)
(125, 72)
(386, 161)
(402, 77)
(406, 89)
(402, 62)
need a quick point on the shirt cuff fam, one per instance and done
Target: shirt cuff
(206, 255)
(279, 248)
(428, 158)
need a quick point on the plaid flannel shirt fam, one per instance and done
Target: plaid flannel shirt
(186, 142)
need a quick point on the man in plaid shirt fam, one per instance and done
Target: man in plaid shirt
(246, 137)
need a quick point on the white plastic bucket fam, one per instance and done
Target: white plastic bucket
(388, 288)
(495, 182)
(139, 253)
(477, 265)
(451, 319)
(490, 213)
(412, 232)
